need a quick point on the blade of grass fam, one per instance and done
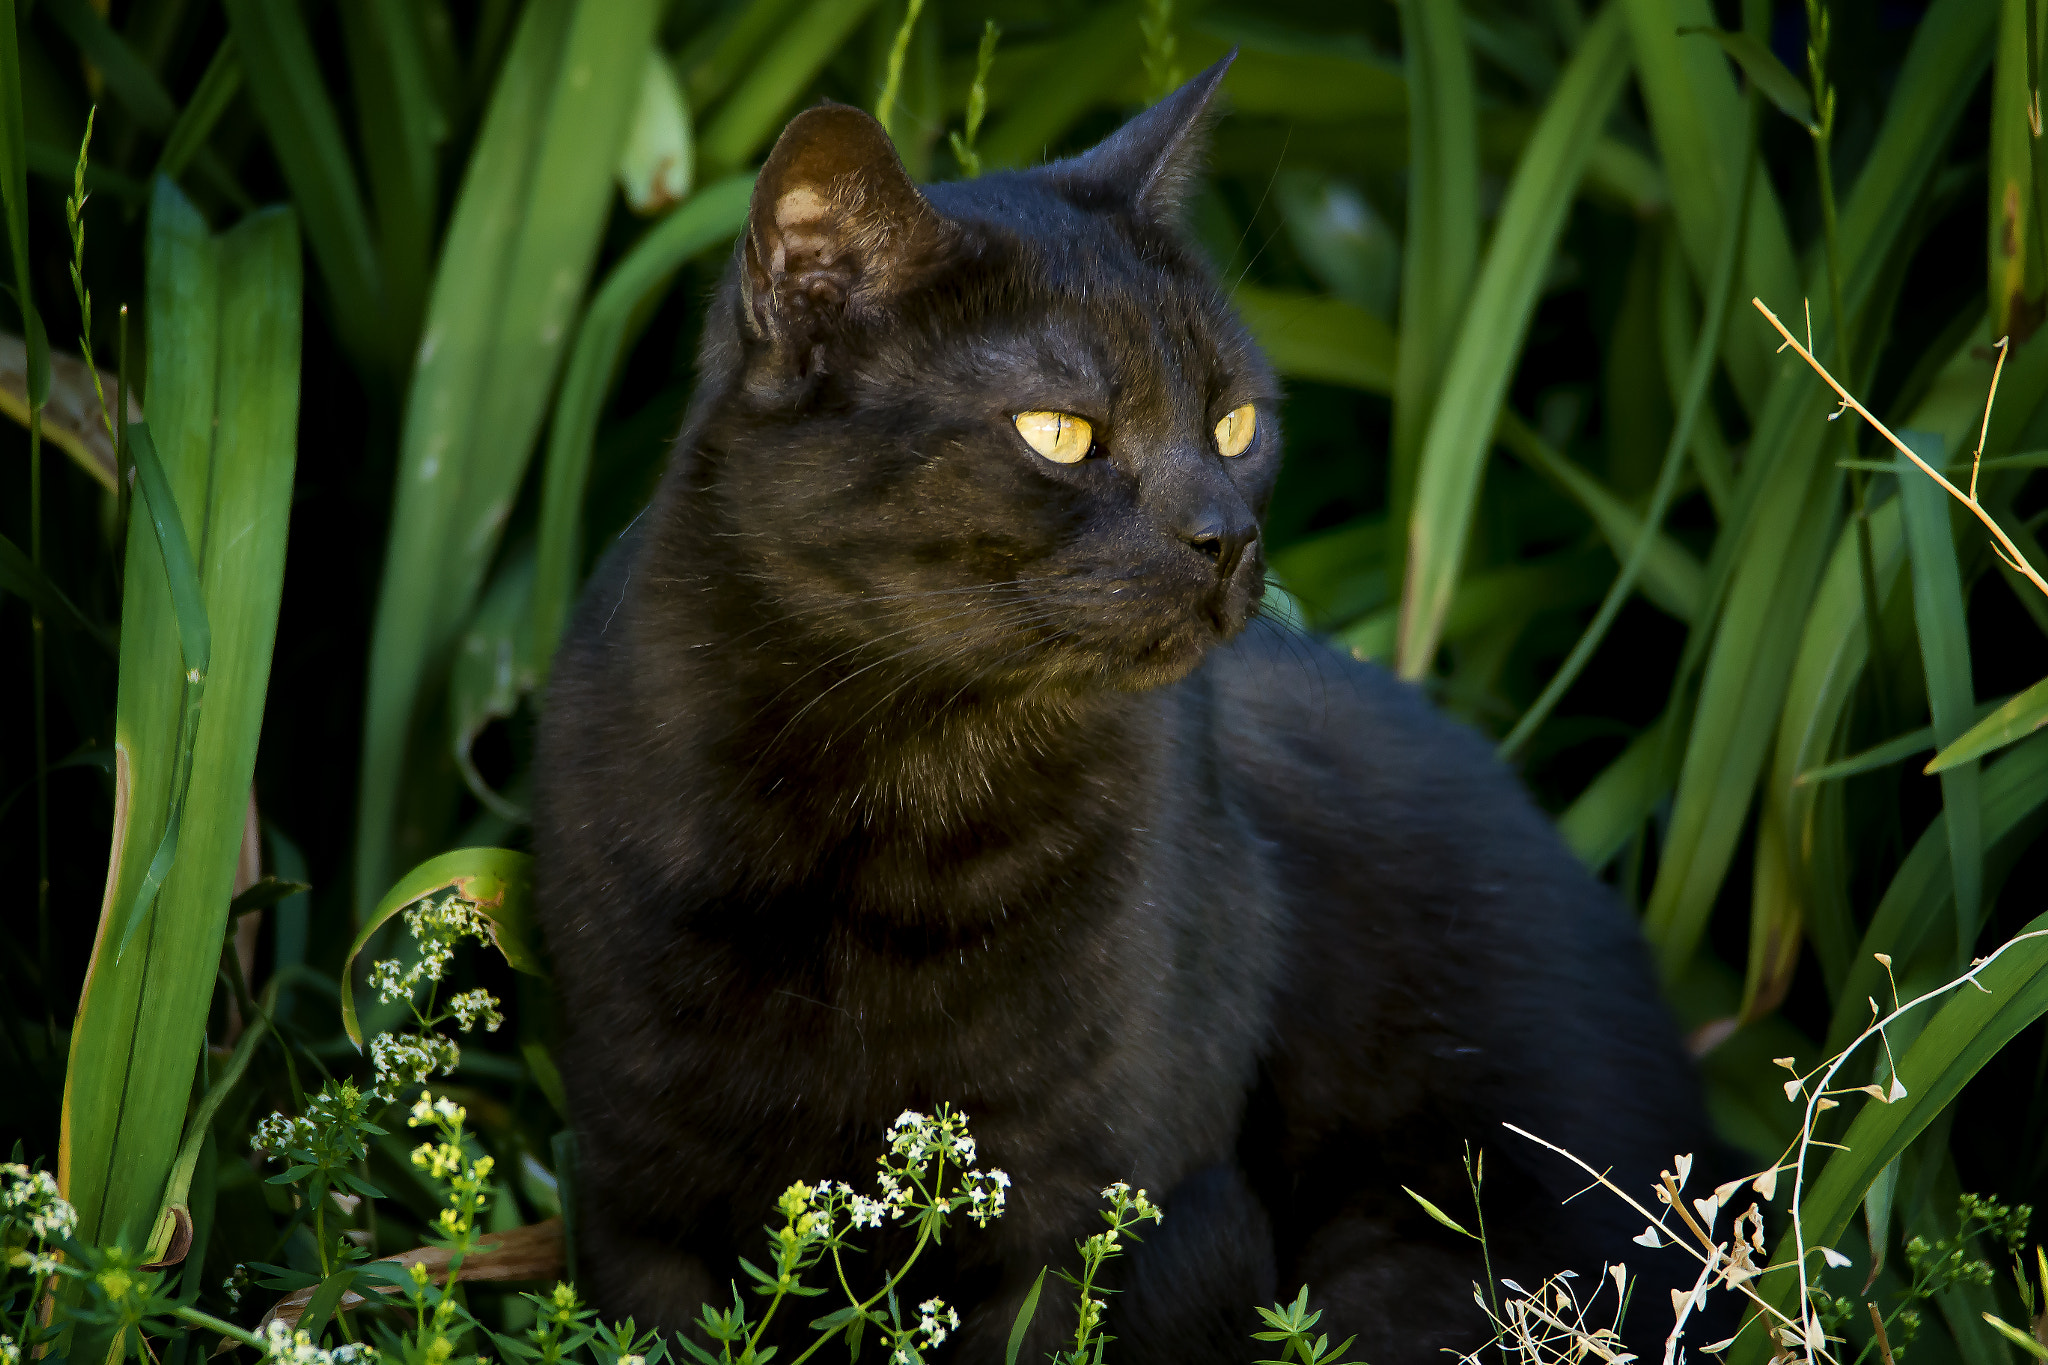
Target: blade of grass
(2010, 723)
(1614, 805)
(135, 85)
(400, 128)
(217, 88)
(1913, 920)
(1490, 337)
(1440, 255)
(285, 84)
(713, 216)
(224, 341)
(1791, 888)
(518, 252)
(1313, 336)
(1766, 562)
(1939, 614)
(1670, 576)
(1071, 78)
(1703, 349)
(757, 107)
(1696, 117)
(2013, 254)
(20, 576)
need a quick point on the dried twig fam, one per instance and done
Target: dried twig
(2007, 551)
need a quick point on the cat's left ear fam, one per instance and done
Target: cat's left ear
(835, 225)
(1149, 162)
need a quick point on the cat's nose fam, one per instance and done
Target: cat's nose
(1221, 537)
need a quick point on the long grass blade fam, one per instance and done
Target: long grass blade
(1489, 341)
(1767, 560)
(2010, 723)
(758, 105)
(285, 84)
(1696, 117)
(1440, 256)
(714, 215)
(1939, 617)
(518, 252)
(223, 397)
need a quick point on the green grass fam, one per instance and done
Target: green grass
(1544, 459)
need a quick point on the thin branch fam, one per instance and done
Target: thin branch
(2018, 560)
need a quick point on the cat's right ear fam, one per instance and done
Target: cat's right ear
(836, 227)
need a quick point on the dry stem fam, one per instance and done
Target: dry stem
(2007, 551)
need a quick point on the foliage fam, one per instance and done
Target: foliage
(1708, 623)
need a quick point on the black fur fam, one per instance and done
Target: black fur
(888, 763)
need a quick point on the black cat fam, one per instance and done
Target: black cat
(923, 743)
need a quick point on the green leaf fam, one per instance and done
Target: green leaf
(1939, 612)
(21, 577)
(757, 107)
(518, 251)
(400, 128)
(1613, 807)
(1779, 86)
(1025, 1312)
(1896, 750)
(1489, 341)
(1697, 120)
(1311, 336)
(225, 327)
(2020, 1339)
(1767, 559)
(497, 881)
(1437, 1213)
(658, 164)
(2010, 723)
(493, 669)
(217, 89)
(14, 199)
(321, 1306)
(1914, 909)
(286, 87)
(714, 216)
(264, 894)
(1440, 250)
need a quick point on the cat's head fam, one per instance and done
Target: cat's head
(1003, 430)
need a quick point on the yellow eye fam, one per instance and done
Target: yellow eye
(1059, 436)
(1235, 431)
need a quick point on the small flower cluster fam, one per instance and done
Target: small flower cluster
(468, 1180)
(31, 1197)
(915, 1142)
(935, 1321)
(437, 926)
(476, 1007)
(404, 1060)
(328, 1137)
(284, 1346)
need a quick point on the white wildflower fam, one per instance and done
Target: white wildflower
(935, 1320)
(476, 1007)
(284, 1346)
(389, 981)
(985, 1194)
(866, 1212)
(405, 1060)
(10, 1354)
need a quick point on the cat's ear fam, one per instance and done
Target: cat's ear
(835, 226)
(1149, 162)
